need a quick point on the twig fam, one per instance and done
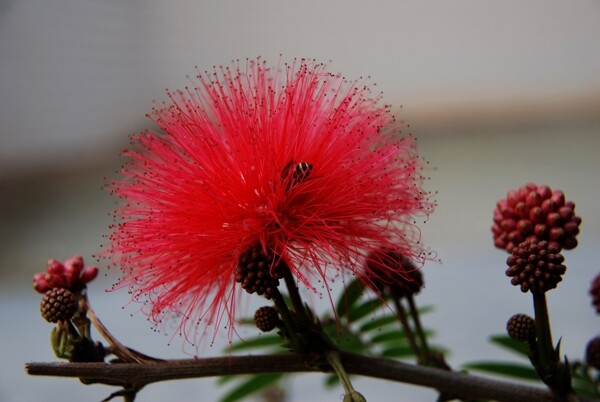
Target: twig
(141, 374)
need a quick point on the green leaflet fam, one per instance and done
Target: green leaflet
(505, 341)
(379, 323)
(251, 385)
(357, 312)
(350, 295)
(258, 342)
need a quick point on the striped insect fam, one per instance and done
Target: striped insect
(295, 173)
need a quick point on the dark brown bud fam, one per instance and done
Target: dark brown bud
(521, 327)
(58, 304)
(536, 266)
(266, 318)
(592, 353)
(259, 270)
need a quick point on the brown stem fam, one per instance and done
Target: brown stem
(410, 335)
(299, 308)
(418, 327)
(128, 374)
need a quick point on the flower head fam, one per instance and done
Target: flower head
(403, 281)
(535, 213)
(592, 353)
(294, 163)
(536, 266)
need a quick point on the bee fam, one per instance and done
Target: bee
(295, 173)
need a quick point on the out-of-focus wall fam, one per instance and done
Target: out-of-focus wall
(78, 75)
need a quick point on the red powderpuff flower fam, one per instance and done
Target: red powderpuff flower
(296, 159)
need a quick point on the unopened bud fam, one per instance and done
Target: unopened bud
(73, 268)
(88, 274)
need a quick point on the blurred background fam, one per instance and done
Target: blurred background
(498, 93)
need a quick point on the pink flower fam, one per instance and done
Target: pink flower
(295, 158)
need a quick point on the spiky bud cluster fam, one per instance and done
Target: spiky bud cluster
(72, 275)
(392, 272)
(595, 293)
(592, 353)
(266, 318)
(536, 266)
(58, 304)
(535, 213)
(259, 270)
(521, 327)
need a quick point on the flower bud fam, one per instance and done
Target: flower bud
(521, 327)
(535, 213)
(58, 304)
(592, 353)
(266, 318)
(88, 274)
(536, 266)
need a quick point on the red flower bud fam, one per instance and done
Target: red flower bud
(545, 192)
(536, 214)
(525, 226)
(558, 197)
(557, 233)
(54, 281)
(88, 274)
(55, 267)
(541, 230)
(553, 219)
(73, 268)
(533, 199)
(40, 284)
(509, 225)
(549, 206)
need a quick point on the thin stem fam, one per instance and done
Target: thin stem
(410, 335)
(548, 365)
(542, 328)
(418, 327)
(333, 358)
(299, 308)
(286, 316)
(116, 347)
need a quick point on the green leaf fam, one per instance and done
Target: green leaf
(252, 385)
(583, 387)
(378, 323)
(224, 379)
(358, 312)
(346, 339)
(350, 295)
(398, 352)
(391, 336)
(515, 370)
(258, 342)
(331, 380)
(425, 309)
(505, 341)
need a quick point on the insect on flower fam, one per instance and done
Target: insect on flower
(295, 173)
